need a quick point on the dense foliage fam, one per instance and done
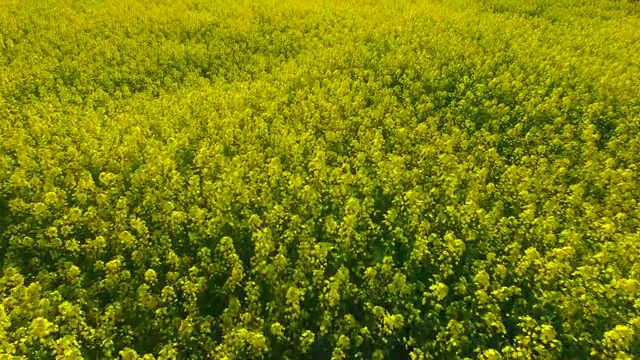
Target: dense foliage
(301, 179)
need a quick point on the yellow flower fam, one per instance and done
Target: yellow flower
(129, 354)
(306, 340)
(491, 354)
(532, 254)
(150, 275)
(440, 290)
(620, 337)
(52, 231)
(547, 334)
(482, 279)
(39, 208)
(277, 329)
(50, 198)
(113, 266)
(41, 327)
(73, 272)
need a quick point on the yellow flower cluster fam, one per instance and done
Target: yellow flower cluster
(322, 179)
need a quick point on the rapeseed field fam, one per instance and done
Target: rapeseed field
(319, 179)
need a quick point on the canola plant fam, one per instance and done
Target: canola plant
(327, 179)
